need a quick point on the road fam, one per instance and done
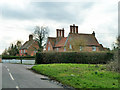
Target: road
(18, 76)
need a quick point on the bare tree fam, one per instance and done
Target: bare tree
(40, 35)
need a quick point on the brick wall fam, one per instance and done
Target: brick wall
(31, 50)
(49, 45)
(0, 60)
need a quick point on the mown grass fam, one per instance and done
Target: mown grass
(80, 75)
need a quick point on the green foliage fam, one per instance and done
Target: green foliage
(113, 65)
(73, 57)
(12, 50)
(80, 75)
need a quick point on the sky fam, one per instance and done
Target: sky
(18, 19)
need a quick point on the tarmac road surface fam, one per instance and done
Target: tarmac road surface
(18, 76)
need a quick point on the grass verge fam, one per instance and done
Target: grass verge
(80, 75)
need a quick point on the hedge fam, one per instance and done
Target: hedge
(74, 57)
(18, 57)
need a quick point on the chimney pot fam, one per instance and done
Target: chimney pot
(30, 37)
(71, 28)
(62, 32)
(57, 32)
(76, 29)
(93, 33)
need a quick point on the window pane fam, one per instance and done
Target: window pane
(64, 48)
(57, 49)
(48, 48)
(94, 48)
(70, 46)
(80, 48)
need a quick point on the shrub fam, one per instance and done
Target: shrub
(113, 65)
(74, 57)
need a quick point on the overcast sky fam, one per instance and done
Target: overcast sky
(18, 18)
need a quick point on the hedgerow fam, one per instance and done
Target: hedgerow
(74, 57)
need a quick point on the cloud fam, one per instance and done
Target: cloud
(62, 12)
(20, 17)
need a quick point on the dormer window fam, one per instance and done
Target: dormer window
(93, 48)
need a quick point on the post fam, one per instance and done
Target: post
(21, 60)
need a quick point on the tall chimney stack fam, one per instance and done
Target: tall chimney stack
(58, 32)
(71, 28)
(76, 29)
(30, 37)
(63, 32)
(93, 33)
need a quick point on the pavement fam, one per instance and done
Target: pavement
(19, 76)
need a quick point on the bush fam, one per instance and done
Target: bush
(113, 65)
(74, 57)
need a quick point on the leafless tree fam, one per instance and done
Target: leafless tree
(40, 35)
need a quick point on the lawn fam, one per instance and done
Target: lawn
(80, 75)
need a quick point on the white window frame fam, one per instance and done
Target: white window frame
(49, 42)
(21, 51)
(70, 46)
(81, 48)
(93, 48)
(24, 50)
(48, 48)
(35, 51)
(64, 49)
(57, 49)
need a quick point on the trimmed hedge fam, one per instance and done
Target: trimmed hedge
(18, 57)
(73, 57)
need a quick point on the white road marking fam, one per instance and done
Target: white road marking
(11, 76)
(8, 69)
(17, 88)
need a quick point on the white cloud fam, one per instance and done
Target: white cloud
(101, 16)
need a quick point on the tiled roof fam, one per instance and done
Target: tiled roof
(27, 44)
(61, 42)
(89, 39)
(52, 40)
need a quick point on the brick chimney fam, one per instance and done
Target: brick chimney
(60, 32)
(30, 37)
(93, 33)
(73, 29)
(76, 29)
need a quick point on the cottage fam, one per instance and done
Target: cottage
(29, 47)
(74, 42)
